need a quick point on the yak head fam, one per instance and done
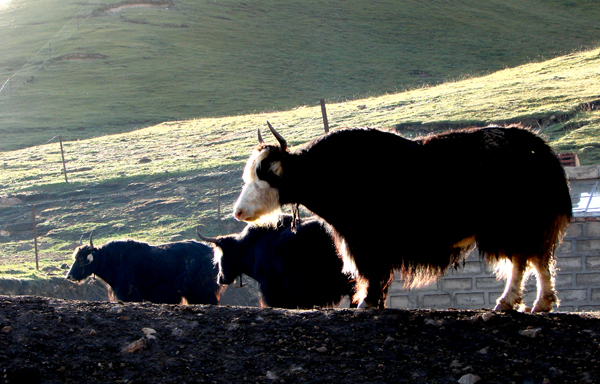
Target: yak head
(259, 200)
(225, 258)
(85, 261)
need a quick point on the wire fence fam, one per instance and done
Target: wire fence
(183, 202)
(26, 74)
(187, 199)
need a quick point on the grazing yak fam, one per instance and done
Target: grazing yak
(169, 273)
(420, 206)
(295, 269)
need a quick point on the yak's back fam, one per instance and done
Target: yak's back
(169, 259)
(519, 201)
(511, 164)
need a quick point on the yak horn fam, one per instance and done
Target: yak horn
(260, 139)
(91, 243)
(81, 240)
(208, 239)
(279, 138)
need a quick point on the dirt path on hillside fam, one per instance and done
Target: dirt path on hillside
(114, 8)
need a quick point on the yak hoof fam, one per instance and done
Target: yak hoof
(544, 304)
(542, 307)
(503, 306)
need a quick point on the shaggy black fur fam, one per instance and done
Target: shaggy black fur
(295, 269)
(405, 204)
(137, 271)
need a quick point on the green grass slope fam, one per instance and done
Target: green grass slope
(158, 183)
(84, 70)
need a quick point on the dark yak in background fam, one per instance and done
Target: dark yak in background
(420, 206)
(295, 269)
(137, 271)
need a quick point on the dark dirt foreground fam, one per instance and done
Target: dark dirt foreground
(45, 340)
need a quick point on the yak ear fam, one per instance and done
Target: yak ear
(271, 170)
(276, 168)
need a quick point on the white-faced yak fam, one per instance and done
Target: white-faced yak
(169, 273)
(420, 206)
(294, 268)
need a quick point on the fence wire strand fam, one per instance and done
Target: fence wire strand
(48, 43)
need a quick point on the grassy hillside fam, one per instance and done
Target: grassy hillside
(83, 70)
(157, 184)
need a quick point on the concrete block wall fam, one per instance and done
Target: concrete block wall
(578, 277)
(475, 286)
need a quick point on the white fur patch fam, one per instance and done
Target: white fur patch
(257, 199)
(90, 258)
(258, 202)
(349, 265)
(217, 255)
(249, 175)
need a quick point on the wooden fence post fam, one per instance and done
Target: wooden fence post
(62, 153)
(37, 263)
(219, 204)
(324, 113)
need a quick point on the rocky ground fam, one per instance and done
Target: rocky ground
(45, 340)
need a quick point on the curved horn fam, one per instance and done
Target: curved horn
(91, 243)
(208, 239)
(81, 240)
(260, 139)
(279, 138)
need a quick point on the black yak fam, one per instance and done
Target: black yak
(136, 271)
(295, 269)
(420, 206)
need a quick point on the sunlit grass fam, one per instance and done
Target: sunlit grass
(558, 86)
(165, 197)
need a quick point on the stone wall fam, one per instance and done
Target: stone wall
(578, 277)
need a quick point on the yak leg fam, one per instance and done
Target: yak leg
(377, 290)
(362, 286)
(513, 293)
(202, 295)
(546, 294)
